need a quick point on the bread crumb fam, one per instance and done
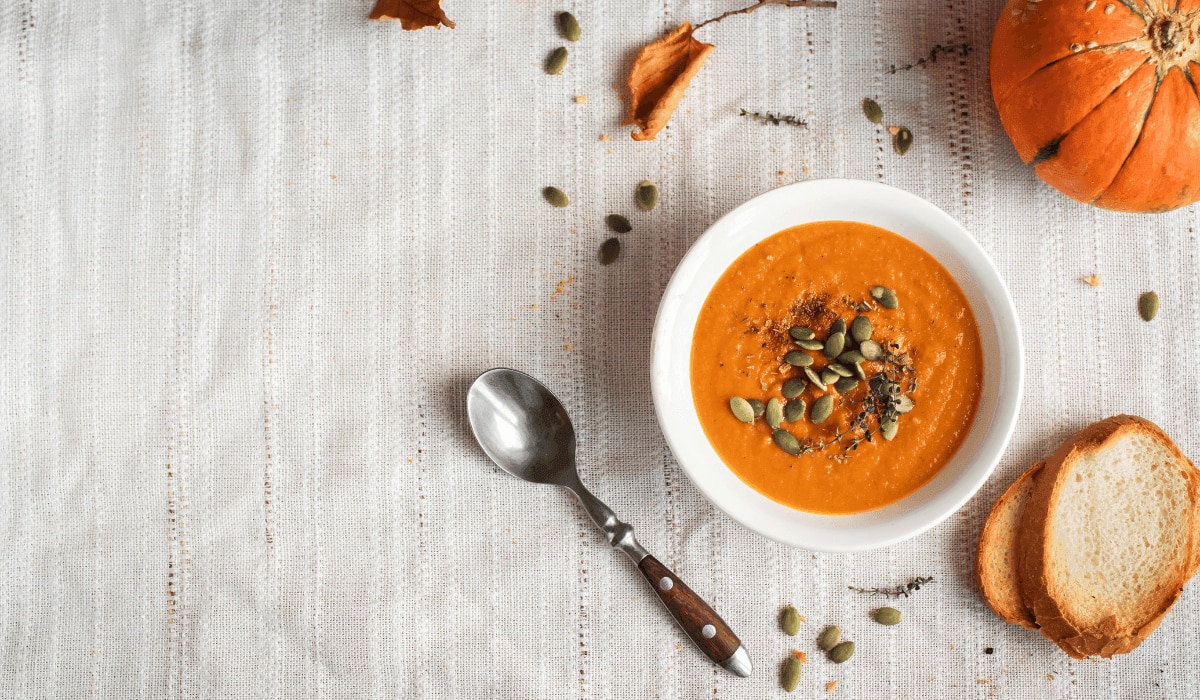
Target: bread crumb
(800, 655)
(568, 347)
(983, 681)
(1049, 676)
(580, 99)
(562, 287)
(1093, 280)
(830, 686)
(604, 137)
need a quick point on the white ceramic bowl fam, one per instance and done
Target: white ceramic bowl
(899, 212)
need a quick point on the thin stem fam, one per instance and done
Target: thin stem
(762, 3)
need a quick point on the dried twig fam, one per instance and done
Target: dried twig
(762, 3)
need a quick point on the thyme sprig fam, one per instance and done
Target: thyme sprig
(764, 3)
(775, 119)
(963, 49)
(901, 590)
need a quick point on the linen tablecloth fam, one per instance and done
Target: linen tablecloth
(253, 253)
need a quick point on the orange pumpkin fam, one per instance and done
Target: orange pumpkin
(1101, 97)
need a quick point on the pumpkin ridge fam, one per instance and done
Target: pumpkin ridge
(1132, 45)
(1136, 142)
(1050, 150)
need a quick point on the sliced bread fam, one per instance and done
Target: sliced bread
(997, 555)
(1106, 538)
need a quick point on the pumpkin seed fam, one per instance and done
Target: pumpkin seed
(858, 370)
(741, 409)
(758, 407)
(860, 329)
(610, 250)
(888, 429)
(840, 370)
(828, 376)
(873, 111)
(618, 223)
(811, 344)
(835, 344)
(814, 378)
(886, 297)
(887, 616)
(902, 140)
(845, 385)
(556, 197)
(793, 388)
(786, 442)
(647, 195)
(822, 409)
(851, 357)
(1148, 306)
(903, 404)
(839, 326)
(792, 670)
(774, 413)
(801, 333)
(568, 26)
(794, 411)
(556, 60)
(829, 638)
(789, 621)
(841, 653)
(796, 358)
(871, 350)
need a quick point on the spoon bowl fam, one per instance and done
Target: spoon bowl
(522, 427)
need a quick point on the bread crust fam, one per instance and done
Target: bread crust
(1106, 638)
(1008, 604)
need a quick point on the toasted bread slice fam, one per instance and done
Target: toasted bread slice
(996, 558)
(1106, 539)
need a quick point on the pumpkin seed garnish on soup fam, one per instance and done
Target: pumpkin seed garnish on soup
(741, 409)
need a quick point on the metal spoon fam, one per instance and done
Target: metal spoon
(526, 431)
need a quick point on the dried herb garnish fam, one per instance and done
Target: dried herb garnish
(934, 53)
(902, 590)
(764, 3)
(775, 119)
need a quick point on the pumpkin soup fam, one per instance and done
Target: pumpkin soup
(836, 367)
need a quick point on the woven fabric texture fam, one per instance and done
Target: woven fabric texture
(252, 254)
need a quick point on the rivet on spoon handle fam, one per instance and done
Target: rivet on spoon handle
(701, 622)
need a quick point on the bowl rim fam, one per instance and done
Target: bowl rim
(974, 262)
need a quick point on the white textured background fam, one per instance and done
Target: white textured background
(251, 254)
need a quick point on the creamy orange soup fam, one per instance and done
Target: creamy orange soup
(810, 276)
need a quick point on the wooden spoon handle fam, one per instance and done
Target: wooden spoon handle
(701, 622)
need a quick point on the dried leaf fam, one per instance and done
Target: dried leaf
(659, 78)
(413, 14)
